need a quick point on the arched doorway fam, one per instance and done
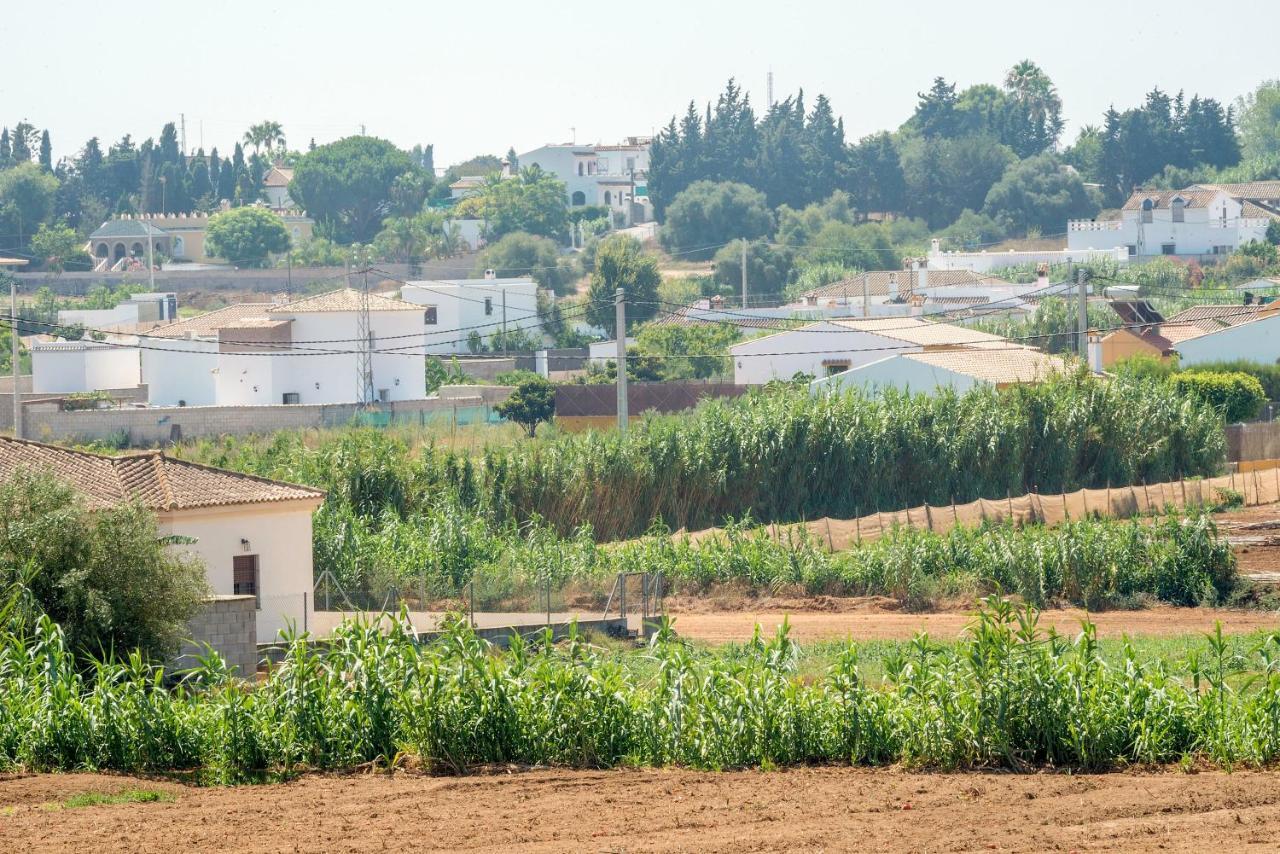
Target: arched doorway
(119, 251)
(578, 199)
(102, 251)
(136, 250)
(608, 197)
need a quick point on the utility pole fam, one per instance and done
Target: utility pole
(151, 257)
(1083, 290)
(504, 322)
(866, 295)
(364, 346)
(13, 342)
(744, 272)
(620, 321)
(183, 118)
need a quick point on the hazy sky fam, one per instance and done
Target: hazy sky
(481, 76)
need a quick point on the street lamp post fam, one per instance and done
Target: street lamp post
(13, 341)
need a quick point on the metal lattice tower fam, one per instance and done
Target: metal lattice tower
(364, 344)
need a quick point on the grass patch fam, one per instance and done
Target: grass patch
(129, 796)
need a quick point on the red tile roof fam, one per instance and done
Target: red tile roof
(157, 481)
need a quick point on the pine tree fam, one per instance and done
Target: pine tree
(46, 152)
(215, 168)
(6, 149)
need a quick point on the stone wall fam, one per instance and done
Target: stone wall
(141, 427)
(44, 400)
(229, 625)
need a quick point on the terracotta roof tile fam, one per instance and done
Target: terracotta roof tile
(924, 333)
(343, 299)
(156, 481)
(1013, 364)
(208, 324)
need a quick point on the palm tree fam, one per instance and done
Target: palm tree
(265, 133)
(1039, 104)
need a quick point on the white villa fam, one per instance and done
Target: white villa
(832, 347)
(613, 176)
(253, 534)
(1203, 219)
(454, 308)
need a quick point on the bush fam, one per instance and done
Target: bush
(1237, 396)
(707, 215)
(1268, 375)
(533, 402)
(768, 268)
(520, 254)
(104, 576)
(246, 237)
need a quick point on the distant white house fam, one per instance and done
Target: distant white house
(127, 315)
(834, 346)
(308, 351)
(70, 367)
(613, 176)
(921, 290)
(180, 360)
(1203, 219)
(275, 185)
(455, 308)
(959, 370)
(252, 534)
(982, 261)
(1225, 333)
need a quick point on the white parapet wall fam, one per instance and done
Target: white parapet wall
(986, 262)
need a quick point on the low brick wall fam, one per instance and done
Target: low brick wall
(229, 624)
(148, 427)
(46, 401)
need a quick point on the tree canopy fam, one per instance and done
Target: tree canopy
(523, 254)
(246, 237)
(348, 184)
(533, 201)
(1039, 193)
(621, 263)
(707, 215)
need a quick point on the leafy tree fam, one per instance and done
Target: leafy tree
(1259, 117)
(972, 231)
(708, 215)
(533, 201)
(874, 175)
(246, 236)
(59, 247)
(936, 114)
(1085, 154)
(688, 352)
(105, 576)
(1039, 193)
(532, 402)
(24, 139)
(348, 184)
(1238, 396)
(768, 268)
(26, 199)
(621, 263)
(523, 254)
(945, 176)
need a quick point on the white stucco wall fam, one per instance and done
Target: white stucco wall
(279, 534)
(83, 366)
(1258, 341)
(104, 318)
(1220, 223)
(460, 308)
(783, 355)
(895, 372)
(319, 377)
(181, 369)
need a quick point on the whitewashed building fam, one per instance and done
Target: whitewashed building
(307, 351)
(613, 176)
(252, 534)
(833, 346)
(453, 309)
(180, 360)
(70, 367)
(959, 370)
(1203, 219)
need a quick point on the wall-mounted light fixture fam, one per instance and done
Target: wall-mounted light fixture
(317, 385)
(244, 544)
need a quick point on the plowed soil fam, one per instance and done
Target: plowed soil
(823, 809)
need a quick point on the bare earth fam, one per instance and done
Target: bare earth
(811, 809)
(807, 626)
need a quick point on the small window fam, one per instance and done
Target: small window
(1147, 213)
(833, 368)
(429, 316)
(1178, 208)
(384, 395)
(1133, 249)
(631, 164)
(1168, 249)
(488, 306)
(291, 397)
(244, 577)
(581, 167)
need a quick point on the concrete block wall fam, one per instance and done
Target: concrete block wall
(229, 624)
(149, 427)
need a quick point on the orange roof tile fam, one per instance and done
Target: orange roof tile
(155, 480)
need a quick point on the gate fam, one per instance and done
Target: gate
(637, 592)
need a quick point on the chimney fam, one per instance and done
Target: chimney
(893, 286)
(717, 301)
(1095, 352)
(490, 274)
(923, 266)
(1042, 276)
(935, 247)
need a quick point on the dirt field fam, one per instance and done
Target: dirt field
(808, 625)
(826, 809)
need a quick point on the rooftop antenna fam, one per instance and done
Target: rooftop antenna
(769, 89)
(574, 131)
(183, 118)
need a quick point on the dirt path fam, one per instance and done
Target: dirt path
(823, 809)
(807, 626)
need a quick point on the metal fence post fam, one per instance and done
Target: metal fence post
(304, 611)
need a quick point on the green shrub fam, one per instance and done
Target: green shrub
(1238, 396)
(1268, 375)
